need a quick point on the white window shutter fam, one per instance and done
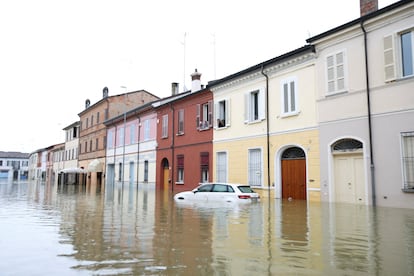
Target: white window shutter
(262, 104)
(216, 114)
(389, 58)
(227, 113)
(246, 107)
(198, 116)
(210, 114)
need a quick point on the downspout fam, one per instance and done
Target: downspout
(267, 131)
(139, 133)
(172, 148)
(372, 167)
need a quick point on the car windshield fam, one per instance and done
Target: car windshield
(245, 189)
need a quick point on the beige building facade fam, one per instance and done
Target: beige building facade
(364, 77)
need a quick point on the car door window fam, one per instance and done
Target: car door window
(205, 188)
(220, 188)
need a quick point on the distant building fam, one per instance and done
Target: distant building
(14, 165)
(131, 146)
(92, 134)
(38, 164)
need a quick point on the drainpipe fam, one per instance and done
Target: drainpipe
(172, 148)
(139, 131)
(372, 167)
(267, 131)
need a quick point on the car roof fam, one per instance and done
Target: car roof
(224, 183)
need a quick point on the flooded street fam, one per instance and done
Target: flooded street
(86, 230)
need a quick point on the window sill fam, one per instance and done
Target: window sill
(408, 190)
(203, 129)
(254, 122)
(180, 134)
(287, 115)
(179, 183)
(335, 93)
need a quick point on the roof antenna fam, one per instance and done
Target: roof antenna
(184, 44)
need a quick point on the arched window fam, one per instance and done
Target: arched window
(346, 145)
(293, 153)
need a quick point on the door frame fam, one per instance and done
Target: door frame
(278, 169)
(331, 166)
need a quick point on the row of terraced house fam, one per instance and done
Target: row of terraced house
(331, 121)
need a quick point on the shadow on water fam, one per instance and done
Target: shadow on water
(134, 230)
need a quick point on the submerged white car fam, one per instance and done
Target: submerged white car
(219, 192)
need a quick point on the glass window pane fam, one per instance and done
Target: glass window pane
(285, 98)
(292, 96)
(407, 54)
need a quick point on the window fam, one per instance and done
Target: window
(87, 122)
(289, 96)
(408, 160)
(164, 126)
(180, 121)
(335, 72)
(97, 144)
(90, 145)
(404, 42)
(222, 110)
(255, 167)
(255, 106)
(204, 163)
(221, 167)
(110, 139)
(97, 117)
(204, 116)
(92, 120)
(132, 134)
(180, 168)
(121, 136)
(147, 130)
(407, 53)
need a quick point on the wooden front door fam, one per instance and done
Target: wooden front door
(294, 174)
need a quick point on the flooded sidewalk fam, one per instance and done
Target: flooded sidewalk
(130, 230)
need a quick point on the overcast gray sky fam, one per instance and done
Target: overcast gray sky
(55, 54)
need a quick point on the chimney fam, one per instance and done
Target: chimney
(105, 92)
(195, 81)
(368, 6)
(174, 88)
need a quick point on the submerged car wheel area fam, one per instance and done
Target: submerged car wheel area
(219, 192)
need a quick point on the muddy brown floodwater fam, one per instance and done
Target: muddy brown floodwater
(129, 230)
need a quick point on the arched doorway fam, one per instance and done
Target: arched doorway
(165, 174)
(293, 164)
(348, 159)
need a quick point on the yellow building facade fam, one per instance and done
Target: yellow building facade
(266, 132)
